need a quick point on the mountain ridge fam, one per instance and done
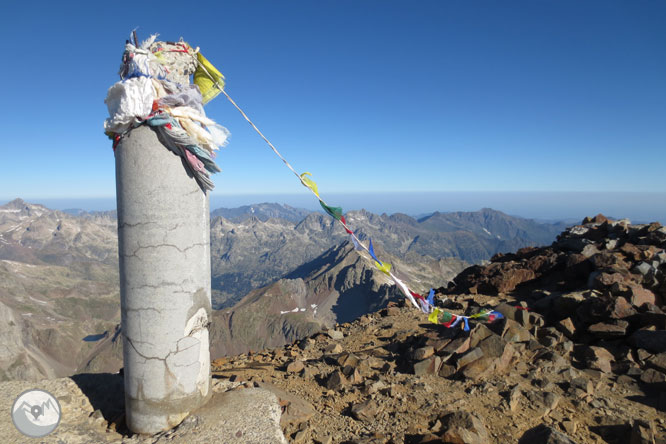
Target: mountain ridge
(60, 275)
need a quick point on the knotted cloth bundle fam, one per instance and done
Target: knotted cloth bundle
(154, 89)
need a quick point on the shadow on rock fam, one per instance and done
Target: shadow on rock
(543, 434)
(613, 433)
(106, 393)
(654, 396)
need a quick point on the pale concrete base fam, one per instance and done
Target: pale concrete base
(164, 249)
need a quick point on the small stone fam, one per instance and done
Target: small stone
(479, 368)
(620, 308)
(607, 330)
(436, 427)
(333, 349)
(566, 327)
(305, 344)
(295, 366)
(544, 402)
(642, 268)
(514, 332)
(643, 355)
(567, 346)
(639, 295)
(423, 353)
(543, 434)
(478, 334)
(446, 370)
(391, 311)
(306, 373)
(598, 219)
(611, 244)
(428, 366)
(551, 400)
(457, 346)
(355, 377)
(470, 356)
(336, 381)
(598, 358)
(373, 387)
(606, 280)
(464, 427)
(652, 376)
(300, 437)
(336, 335)
(348, 359)
(658, 362)
(514, 398)
(569, 426)
(583, 384)
(365, 411)
(589, 250)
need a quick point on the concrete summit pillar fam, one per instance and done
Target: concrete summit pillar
(164, 249)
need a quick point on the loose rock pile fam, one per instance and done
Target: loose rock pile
(578, 358)
(600, 285)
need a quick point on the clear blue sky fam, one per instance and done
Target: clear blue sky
(369, 96)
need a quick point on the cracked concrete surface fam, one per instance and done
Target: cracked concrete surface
(164, 252)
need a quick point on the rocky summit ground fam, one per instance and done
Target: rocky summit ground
(579, 357)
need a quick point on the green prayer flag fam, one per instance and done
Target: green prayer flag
(446, 317)
(335, 212)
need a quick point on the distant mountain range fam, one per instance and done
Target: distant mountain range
(262, 211)
(58, 285)
(252, 252)
(59, 300)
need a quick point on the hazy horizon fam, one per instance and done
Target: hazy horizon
(553, 206)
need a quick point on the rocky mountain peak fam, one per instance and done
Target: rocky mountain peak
(17, 203)
(23, 208)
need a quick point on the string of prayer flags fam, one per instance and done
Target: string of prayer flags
(334, 212)
(487, 315)
(423, 304)
(384, 267)
(450, 320)
(434, 316)
(209, 80)
(431, 297)
(309, 183)
(371, 250)
(405, 291)
(344, 223)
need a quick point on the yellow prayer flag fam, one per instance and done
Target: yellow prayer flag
(209, 80)
(309, 183)
(479, 314)
(434, 316)
(384, 267)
